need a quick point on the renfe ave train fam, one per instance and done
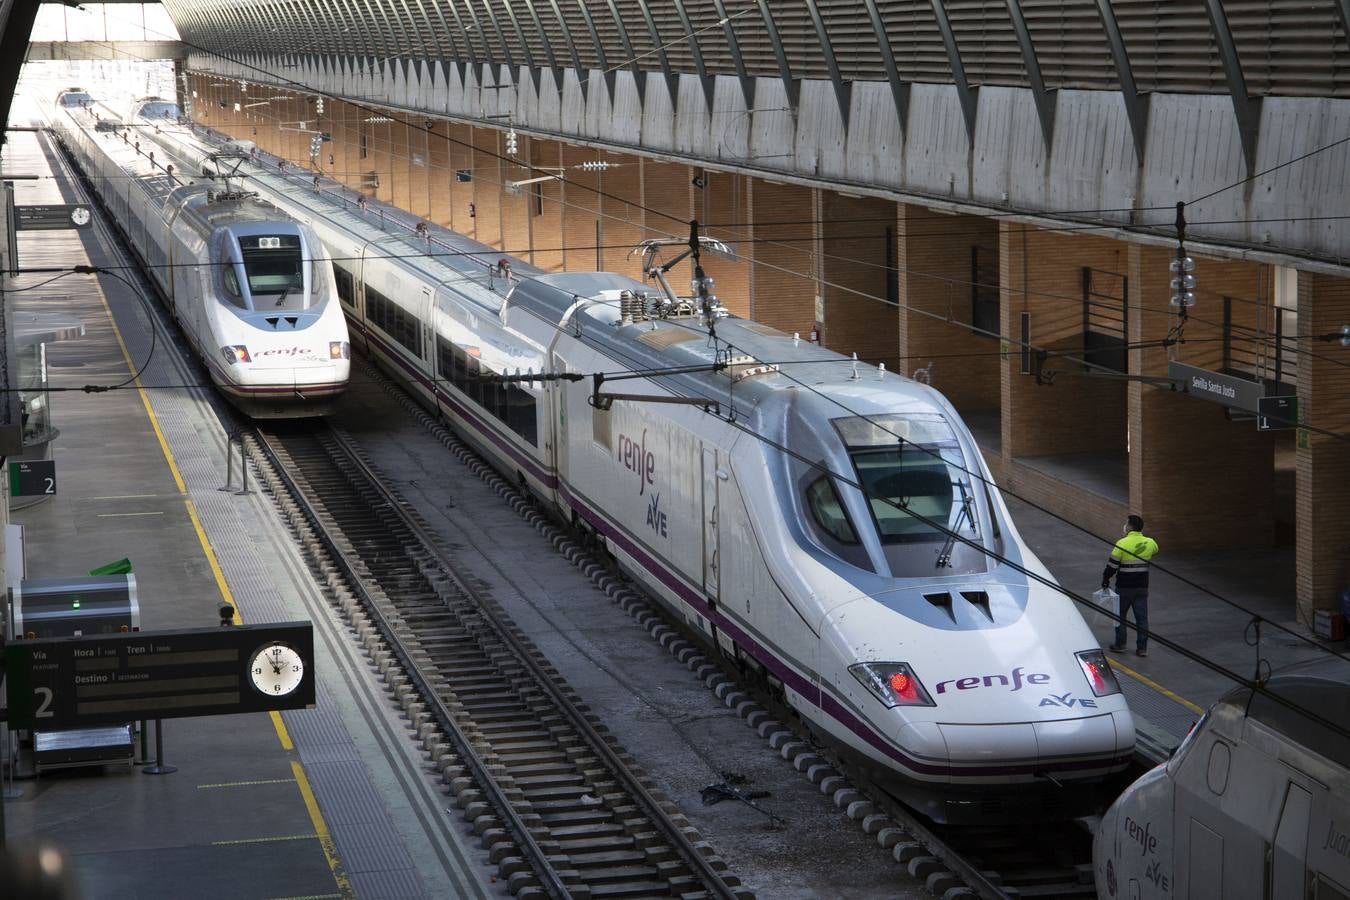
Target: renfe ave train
(797, 512)
(249, 286)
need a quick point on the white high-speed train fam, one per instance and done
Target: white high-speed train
(792, 527)
(1255, 803)
(251, 288)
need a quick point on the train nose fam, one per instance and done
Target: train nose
(1042, 744)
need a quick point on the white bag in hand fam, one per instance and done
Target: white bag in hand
(1107, 599)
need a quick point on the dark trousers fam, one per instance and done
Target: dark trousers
(1136, 599)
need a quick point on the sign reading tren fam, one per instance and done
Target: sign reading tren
(74, 682)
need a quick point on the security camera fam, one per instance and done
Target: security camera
(700, 182)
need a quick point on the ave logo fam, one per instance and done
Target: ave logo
(1154, 873)
(656, 517)
(1068, 701)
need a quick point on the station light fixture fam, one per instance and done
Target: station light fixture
(512, 143)
(1183, 282)
(598, 165)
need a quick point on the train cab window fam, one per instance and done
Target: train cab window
(232, 287)
(274, 267)
(828, 512)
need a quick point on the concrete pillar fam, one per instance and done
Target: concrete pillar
(857, 263)
(1323, 474)
(1199, 479)
(721, 205)
(938, 257)
(783, 287)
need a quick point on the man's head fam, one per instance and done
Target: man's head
(1134, 523)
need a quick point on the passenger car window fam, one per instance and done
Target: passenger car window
(828, 512)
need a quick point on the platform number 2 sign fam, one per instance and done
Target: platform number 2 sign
(32, 479)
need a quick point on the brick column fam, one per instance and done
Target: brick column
(721, 207)
(783, 280)
(936, 255)
(1323, 479)
(440, 174)
(622, 219)
(460, 148)
(487, 186)
(546, 209)
(861, 298)
(580, 210)
(517, 203)
(1199, 479)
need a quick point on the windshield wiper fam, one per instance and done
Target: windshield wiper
(284, 294)
(944, 559)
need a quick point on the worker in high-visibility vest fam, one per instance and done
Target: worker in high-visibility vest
(1128, 564)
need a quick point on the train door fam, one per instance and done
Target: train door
(711, 578)
(1289, 862)
(1206, 864)
(426, 315)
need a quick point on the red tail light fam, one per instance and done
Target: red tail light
(1098, 671)
(893, 683)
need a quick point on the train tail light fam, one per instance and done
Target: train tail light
(1098, 672)
(339, 350)
(893, 683)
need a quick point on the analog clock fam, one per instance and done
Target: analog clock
(276, 669)
(80, 215)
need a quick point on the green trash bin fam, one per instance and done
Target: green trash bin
(120, 567)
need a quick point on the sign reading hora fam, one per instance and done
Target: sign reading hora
(73, 682)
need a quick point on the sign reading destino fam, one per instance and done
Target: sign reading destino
(1226, 389)
(75, 682)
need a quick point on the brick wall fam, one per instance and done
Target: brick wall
(934, 258)
(622, 220)
(783, 279)
(461, 159)
(721, 207)
(487, 186)
(516, 203)
(546, 230)
(1323, 542)
(857, 242)
(440, 174)
(1201, 480)
(581, 210)
(1041, 272)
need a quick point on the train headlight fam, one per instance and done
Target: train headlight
(1098, 671)
(236, 353)
(339, 350)
(893, 683)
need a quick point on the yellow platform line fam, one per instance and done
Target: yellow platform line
(266, 840)
(158, 512)
(311, 805)
(1149, 682)
(311, 897)
(228, 784)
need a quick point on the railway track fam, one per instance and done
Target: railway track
(561, 809)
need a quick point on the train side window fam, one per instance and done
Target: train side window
(828, 512)
(445, 359)
(521, 416)
(346, 286)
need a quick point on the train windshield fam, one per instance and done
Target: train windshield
(912, 475)
(75, 98)
(275, 267)
(159, 109)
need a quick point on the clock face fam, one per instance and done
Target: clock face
(276, 669)
(79, 215)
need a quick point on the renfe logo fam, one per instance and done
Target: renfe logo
(975, 681)
(637, 459)
(1143, 835)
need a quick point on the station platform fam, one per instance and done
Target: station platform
(329, 802)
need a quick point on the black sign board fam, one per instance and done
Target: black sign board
(106, 679)
(30, 479)
(1277, 413)
(50, 218)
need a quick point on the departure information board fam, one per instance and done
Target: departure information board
(72, 682)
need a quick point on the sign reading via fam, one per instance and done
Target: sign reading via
(32, 479)
(75, 682)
